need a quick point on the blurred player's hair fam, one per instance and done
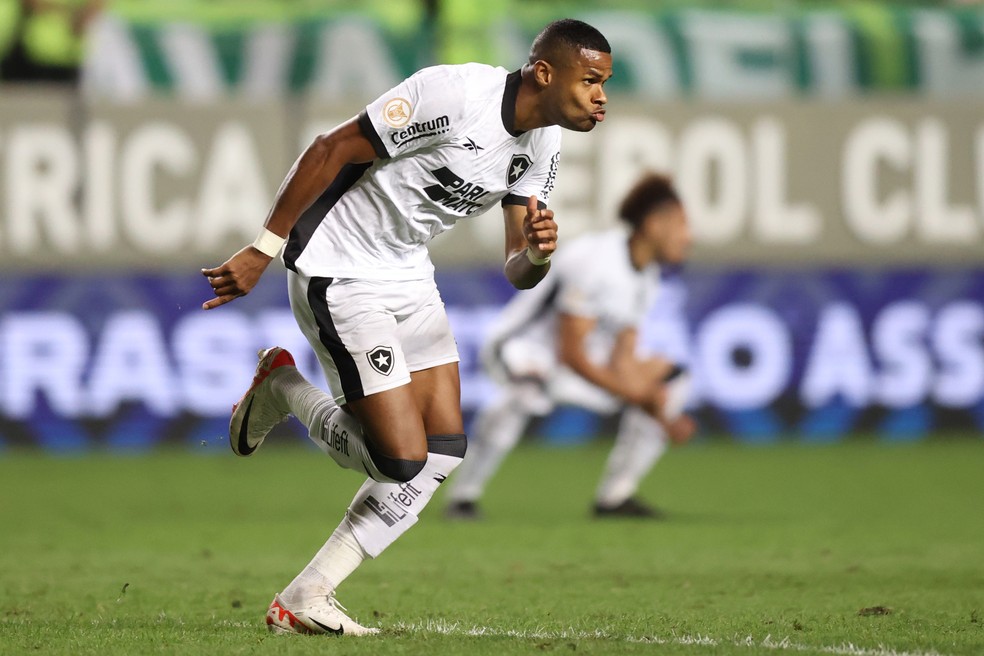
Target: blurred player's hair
(563, 36)
(649, 193)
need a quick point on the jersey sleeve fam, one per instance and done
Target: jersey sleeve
(582, 293)
(418, 112)
(581, 299)
(542, 177)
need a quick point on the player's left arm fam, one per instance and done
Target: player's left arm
(531, 232)
(625, 357)
(668, 391)
(624, 350)
(531, 238)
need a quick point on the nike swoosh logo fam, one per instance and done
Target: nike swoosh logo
(244, 448)
(339, 631)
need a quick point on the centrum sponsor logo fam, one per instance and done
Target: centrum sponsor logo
(421, 130)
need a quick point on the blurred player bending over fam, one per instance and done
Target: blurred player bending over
(356, 211)
(573, 340)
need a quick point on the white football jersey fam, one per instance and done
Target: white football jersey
(446, 150)
(590, 276)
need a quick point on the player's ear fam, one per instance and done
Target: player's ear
(542, 72)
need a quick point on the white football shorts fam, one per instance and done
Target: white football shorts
(370, 335)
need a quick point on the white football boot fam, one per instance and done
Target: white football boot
(256, 413)
(323, 615)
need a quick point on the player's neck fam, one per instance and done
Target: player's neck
(640, 254)
(529, 113)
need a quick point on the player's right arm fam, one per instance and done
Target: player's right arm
(307, 179)
(620, 376)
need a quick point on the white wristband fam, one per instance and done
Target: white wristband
(538, 261)
(269, 243)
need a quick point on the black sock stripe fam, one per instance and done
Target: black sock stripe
(396, 468)
(453, 444)
(676, 371)
(348, 372)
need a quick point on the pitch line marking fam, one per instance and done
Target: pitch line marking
(768, 642)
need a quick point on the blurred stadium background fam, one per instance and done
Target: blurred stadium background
(831, 155)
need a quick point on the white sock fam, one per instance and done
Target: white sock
(639, 444)
(338, 558)
(382, 512)
(498, 428)
(334, 431)
(677, 394)
(304, 400)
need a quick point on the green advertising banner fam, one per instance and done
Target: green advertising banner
(333, 51)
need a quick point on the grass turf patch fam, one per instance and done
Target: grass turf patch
(854, 548)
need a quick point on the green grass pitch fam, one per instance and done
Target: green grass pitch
(857, 548)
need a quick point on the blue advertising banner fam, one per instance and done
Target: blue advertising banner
(820, 354)
(124, 361)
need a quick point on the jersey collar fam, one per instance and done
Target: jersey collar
(509, 95)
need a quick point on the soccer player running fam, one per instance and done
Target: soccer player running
(356, 211)
(572, 340)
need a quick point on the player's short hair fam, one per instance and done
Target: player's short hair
(649, 193)
(565, 35)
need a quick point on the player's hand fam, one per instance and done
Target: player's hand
(681, 429)
(639, 391)
(653, 368)
(539, 229)
(641, 383)
(236, 277)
